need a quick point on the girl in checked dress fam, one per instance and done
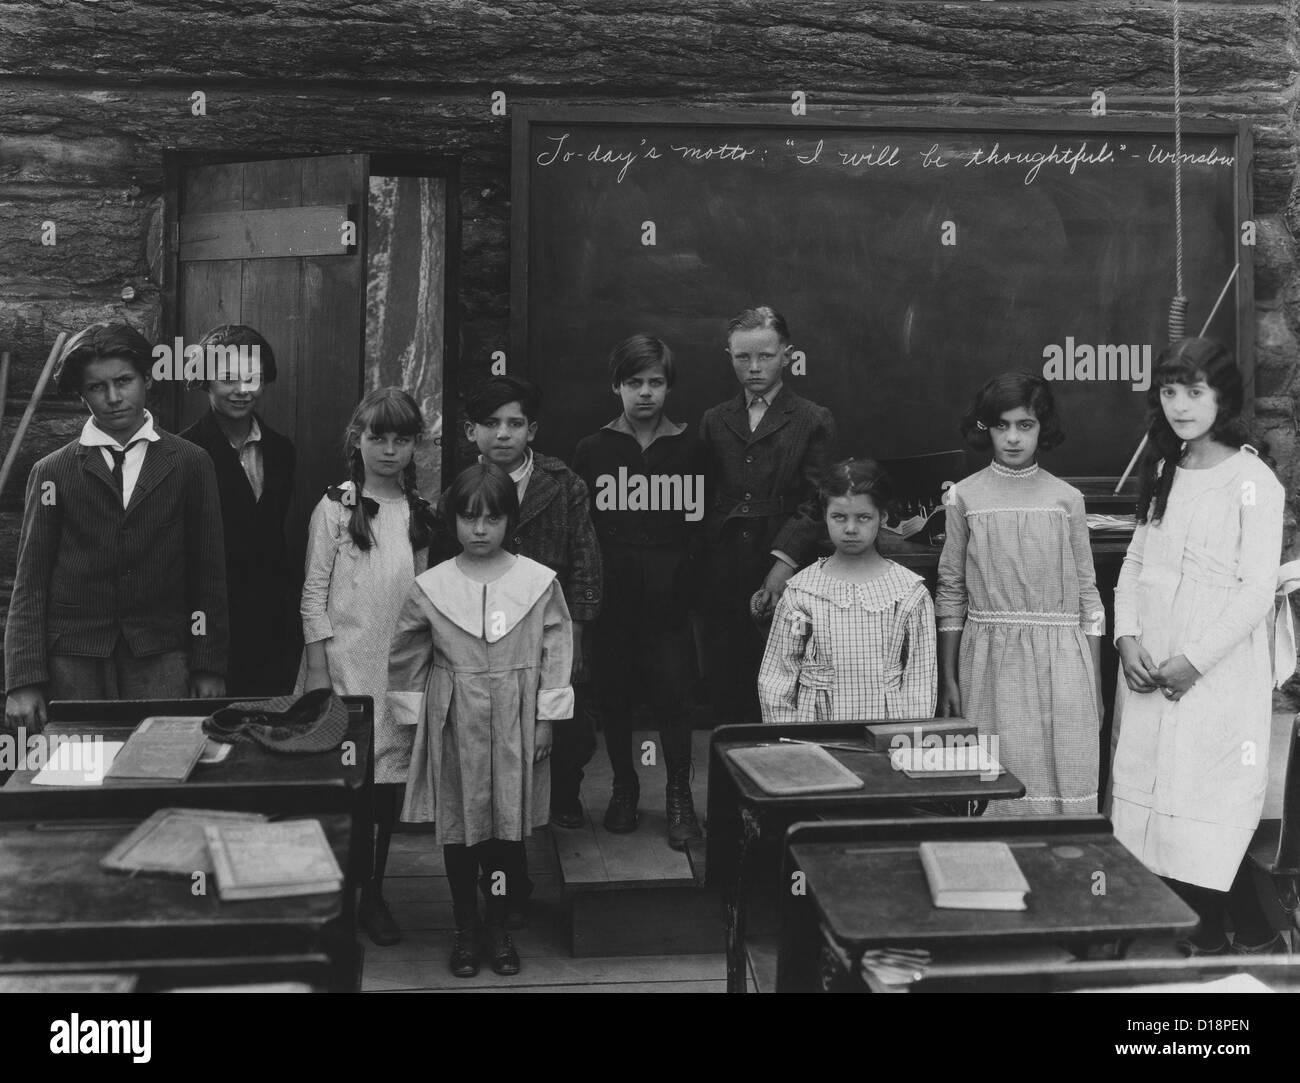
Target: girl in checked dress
(1019, 615)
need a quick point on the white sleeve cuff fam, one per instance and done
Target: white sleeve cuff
(405, 708)
(785, 558)
(554, 703)
(314, 629)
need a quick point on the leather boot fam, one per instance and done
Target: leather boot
(464, 952)
(682, 824)
(621, 816)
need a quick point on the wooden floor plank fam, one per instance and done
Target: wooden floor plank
(550, 970)
(416, 889)
(592, 858)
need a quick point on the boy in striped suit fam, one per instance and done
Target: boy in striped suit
(120, 589)
(766, 450)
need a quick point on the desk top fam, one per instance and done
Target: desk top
(884, 787)
(876, 893)
(54, 891)
(248, 767)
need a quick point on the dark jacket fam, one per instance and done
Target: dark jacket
(89, 570)
(650, 557)
(554, 529)
(763, 484)
(261, 579)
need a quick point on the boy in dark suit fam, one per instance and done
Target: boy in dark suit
(766, 450)
(120, 589)
(555, 529)
(254, 466)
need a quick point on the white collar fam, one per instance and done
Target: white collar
(93, 436)
(768, 396)
(1008, 472)
(522, 470)
(464, 601)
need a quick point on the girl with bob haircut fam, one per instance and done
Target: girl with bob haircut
(480, 666)
(1191, 628)
(1020, 617)
(853, 635)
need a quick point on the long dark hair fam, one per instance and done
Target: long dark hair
(386, 409)
(1187, 361)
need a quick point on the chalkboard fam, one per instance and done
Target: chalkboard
(1061, 234)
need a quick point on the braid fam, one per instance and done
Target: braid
(359, 521)
(418, 531)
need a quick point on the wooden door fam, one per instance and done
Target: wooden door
(260, 243)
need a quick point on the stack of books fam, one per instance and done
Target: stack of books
(251, 858)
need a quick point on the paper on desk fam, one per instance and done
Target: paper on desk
(215, 751)
(78, 761)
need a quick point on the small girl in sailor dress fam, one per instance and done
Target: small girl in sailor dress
(853, 634)
(1019, 615)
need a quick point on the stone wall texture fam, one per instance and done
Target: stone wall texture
(92, 93)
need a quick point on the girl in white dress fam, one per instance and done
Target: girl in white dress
(1194, 702)
(367, 539)
(853, 634)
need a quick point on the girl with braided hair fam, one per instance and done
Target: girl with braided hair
(368, 538)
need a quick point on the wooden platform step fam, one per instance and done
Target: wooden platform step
(632, 894)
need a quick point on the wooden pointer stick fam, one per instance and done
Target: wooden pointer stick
(4, 385)
(1213, 312)
(30, 412)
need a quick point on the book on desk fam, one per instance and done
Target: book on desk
(973, 876)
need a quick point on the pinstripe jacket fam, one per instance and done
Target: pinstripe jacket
(89, 570)
(768, 477)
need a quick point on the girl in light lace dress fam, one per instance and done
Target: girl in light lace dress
(1195, 699)
(368, 537)
(1019, 615)
(853, 634)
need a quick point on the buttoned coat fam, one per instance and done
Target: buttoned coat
(764, 485)
(90, 570)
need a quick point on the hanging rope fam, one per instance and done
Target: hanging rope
(1178, 306)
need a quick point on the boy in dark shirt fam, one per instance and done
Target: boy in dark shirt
(254, 466)
(646, 477)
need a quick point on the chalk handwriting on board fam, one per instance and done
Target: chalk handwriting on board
(564, 149)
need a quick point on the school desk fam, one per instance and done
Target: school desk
(1279, 973)
(310, 970)
(251, 778)
(58, 905)
(864, 886)
(741, 814)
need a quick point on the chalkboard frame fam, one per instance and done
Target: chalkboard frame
(527, 114)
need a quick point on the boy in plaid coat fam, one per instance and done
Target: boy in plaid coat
(554, 529)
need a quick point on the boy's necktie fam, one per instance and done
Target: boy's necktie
(119, 458)
(757, 408)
